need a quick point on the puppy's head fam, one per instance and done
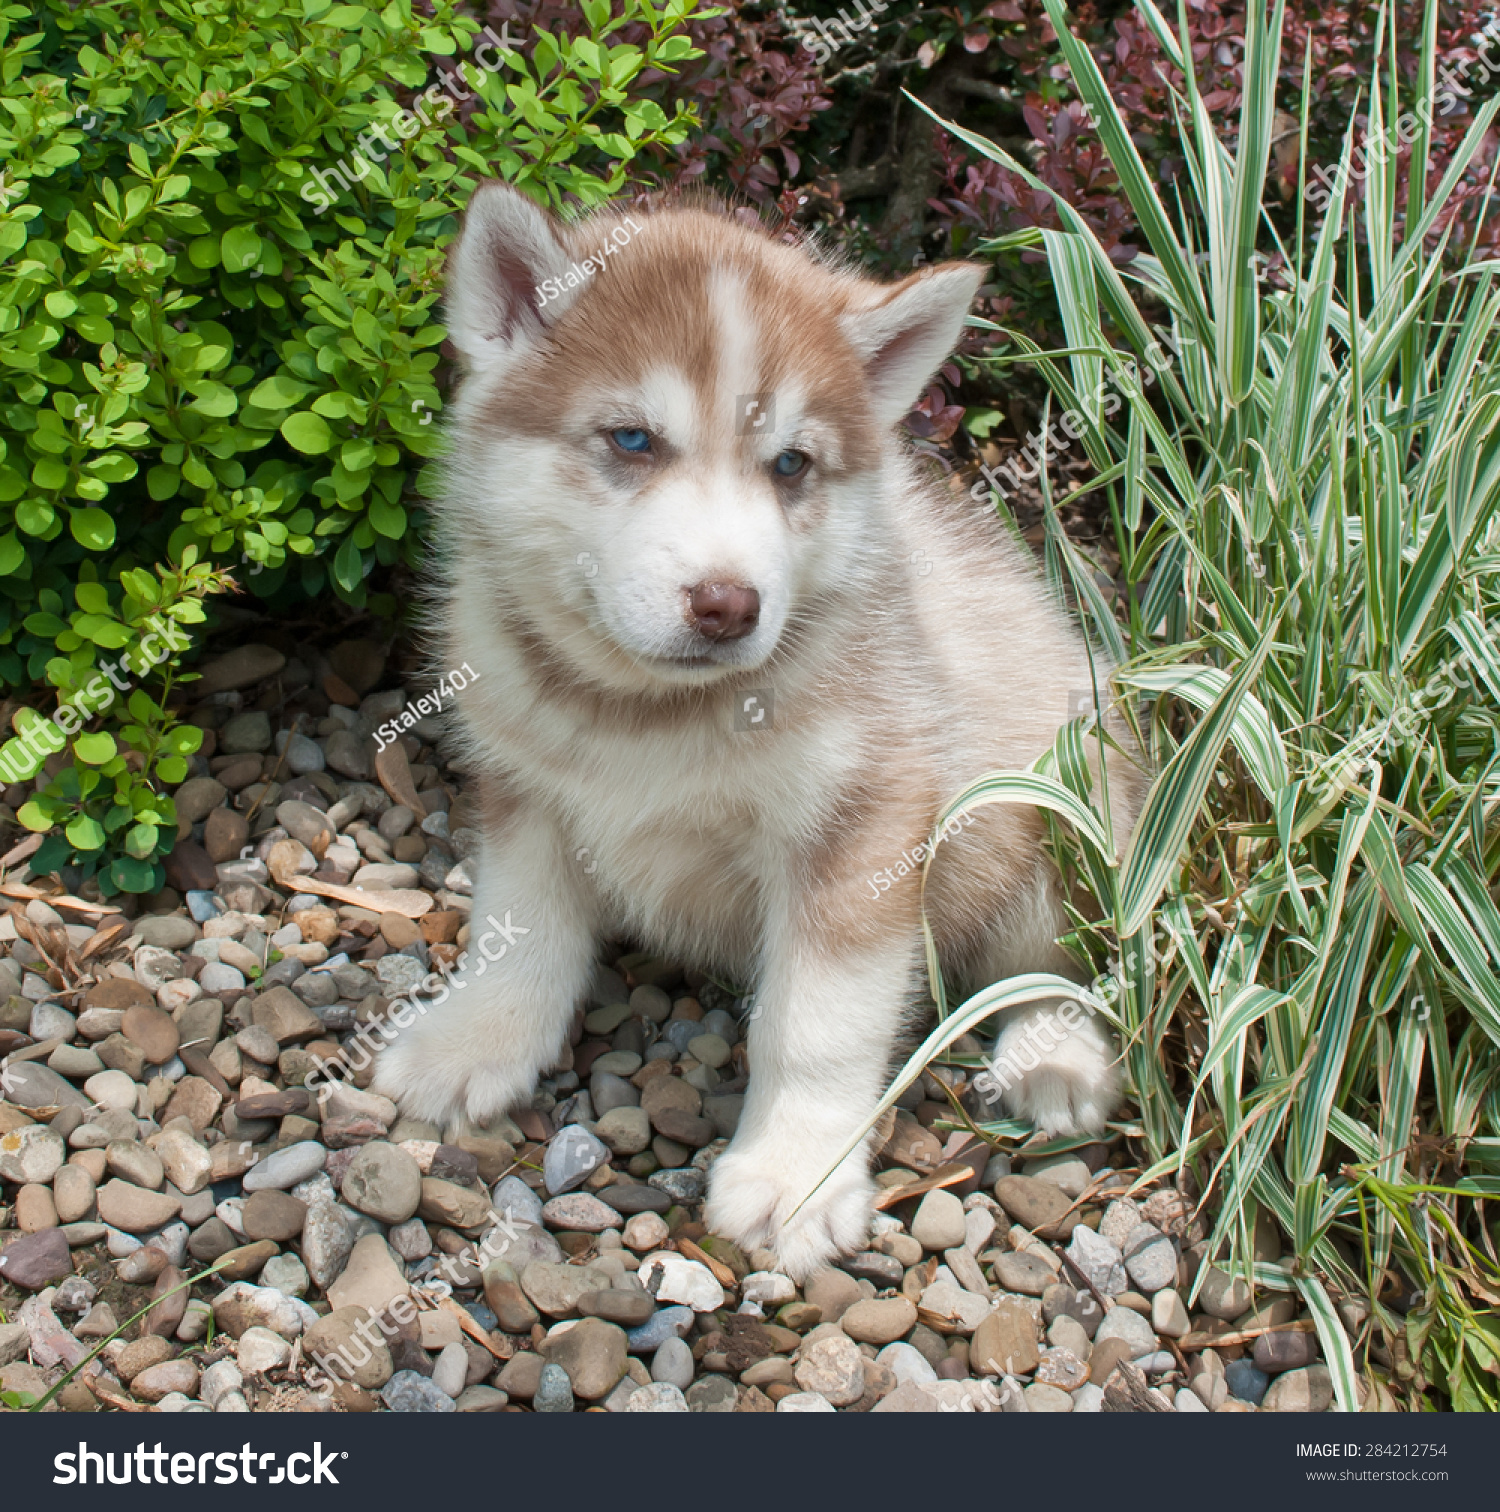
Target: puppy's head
(666, 444)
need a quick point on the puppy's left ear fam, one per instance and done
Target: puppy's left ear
(903, 332)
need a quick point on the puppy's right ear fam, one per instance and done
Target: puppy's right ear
(508, 249)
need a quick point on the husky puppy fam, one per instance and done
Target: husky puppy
(734, 654)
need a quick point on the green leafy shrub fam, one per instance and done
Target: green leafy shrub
(221, 232)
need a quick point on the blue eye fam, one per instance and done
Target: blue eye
(629, 439)
(790, 463)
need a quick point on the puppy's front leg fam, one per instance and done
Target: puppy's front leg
(827, 1018)
(505, 1016)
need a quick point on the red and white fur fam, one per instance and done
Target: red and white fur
(907, 645)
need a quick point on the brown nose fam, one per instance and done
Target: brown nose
(723, 611)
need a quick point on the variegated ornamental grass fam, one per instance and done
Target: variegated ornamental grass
(1304, 504)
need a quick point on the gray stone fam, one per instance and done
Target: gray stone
(1124, 1324)
(1020, 1271)
(1066, 1172)
(660, 1396)
(284, 1168)
(384, 1181)
(327, 1242)
(1150, 1259)
(303, 755)
(31, 1155)
(246, 733)
(684, 1186)
(1120, 1218)
(1306, 1390)
(29, 1084)
(673, 1362)
(1246, 1382)
(1099, 1260)
(1222, 1295)
(652, 1334)
(52, 1021)
(516, 1202)
(572, 1156)
(939, 1222)
(554, 1392)
(712, 1393)
(407, 1391)
(581, 1213)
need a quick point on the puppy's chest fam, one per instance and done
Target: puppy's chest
(662, 814)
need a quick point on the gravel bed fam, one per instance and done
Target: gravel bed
(156, 1121)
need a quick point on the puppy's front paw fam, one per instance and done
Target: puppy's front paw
(1065, 1086)
(752, 1193)
(434, 1076)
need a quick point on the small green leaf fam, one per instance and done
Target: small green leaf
(92, 528)
(307, 432)
(34, 816)
(85, 833)
(239, 248)
(95, 749)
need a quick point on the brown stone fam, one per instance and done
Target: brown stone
(458, 1207)
(158, 1381)
(169, 1298)
(1005, 1342)
(231, 1158)
(287, 1017)
(394, 773)
(273, 1215)
(1104, 1359)
(32, 1261)
(152, 1031)
(493, 1155)
(133, 1208)
(237, 773)
(441, 926)
(319, 925)
(669, 1092)
(190, 868)
(274, 1104)
(194, 1099)
(1037, 1205)
(118, 993)
(594, 1355)
(226, 832)
(247, 1261)
(686, 1128)
(34, 1209)
(141, 1354)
